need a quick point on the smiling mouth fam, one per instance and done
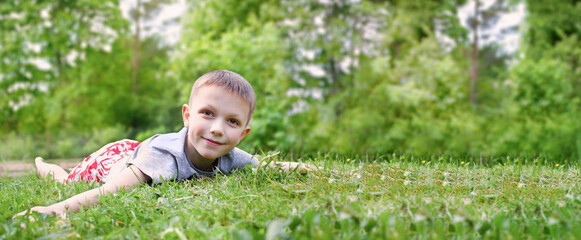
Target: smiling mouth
(212, 142)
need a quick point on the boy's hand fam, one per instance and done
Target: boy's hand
(50, 210)
(129, 177)
(302, 168)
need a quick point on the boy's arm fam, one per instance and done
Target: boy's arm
(131, 176)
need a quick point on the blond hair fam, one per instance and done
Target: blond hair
(230, 81)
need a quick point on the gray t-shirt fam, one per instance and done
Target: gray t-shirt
(163, 158)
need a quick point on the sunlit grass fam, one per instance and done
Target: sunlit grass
(392, 197)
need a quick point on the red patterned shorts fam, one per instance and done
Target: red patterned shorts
(97, 166)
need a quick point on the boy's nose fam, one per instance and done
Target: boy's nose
(216, 128)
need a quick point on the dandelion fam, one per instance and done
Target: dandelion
(552, 221)
(423, 161)
(348, 159)
(419, 217)
(462, 163)
(352, 198)
(556, 165)
(467, 201)
(457, 218)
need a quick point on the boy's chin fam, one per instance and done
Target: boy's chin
(211, 155)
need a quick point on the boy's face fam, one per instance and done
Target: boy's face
(216, 121)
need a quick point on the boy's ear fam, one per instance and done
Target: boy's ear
(244, 133)
(186, 115)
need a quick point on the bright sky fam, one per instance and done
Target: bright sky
(510, 41)
(170, 32)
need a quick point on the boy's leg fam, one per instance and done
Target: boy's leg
(46, 169)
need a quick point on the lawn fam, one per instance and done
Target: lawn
(395, 197)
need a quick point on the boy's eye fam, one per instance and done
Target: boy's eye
(206, 112)
(234, 121)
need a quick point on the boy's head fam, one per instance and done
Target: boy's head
(229, 81)
(217, 115)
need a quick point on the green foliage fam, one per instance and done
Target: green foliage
(543, 87)
(144, 135)
(344, 76)
(555, 135)
(39, 54)
(404, 104)
(65, 144)
(546, 29)
(84, 85)
(18, 147)
(97, 138)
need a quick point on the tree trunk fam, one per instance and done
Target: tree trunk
(136, 49)
(474, 58)
(47, 145)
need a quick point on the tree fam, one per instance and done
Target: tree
(482, 18)
(554, 32)
(140, 13)
(42, 45)
(548, 77)
(553, 36)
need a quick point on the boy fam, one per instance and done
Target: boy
(216, 119)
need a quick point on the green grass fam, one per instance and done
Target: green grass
(393, 198)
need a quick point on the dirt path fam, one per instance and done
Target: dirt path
(17, 169)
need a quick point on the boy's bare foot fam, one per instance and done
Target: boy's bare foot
(46, 169)
(38, 160)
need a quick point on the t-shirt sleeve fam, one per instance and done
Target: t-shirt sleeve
(236, 159)
(156, 165)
